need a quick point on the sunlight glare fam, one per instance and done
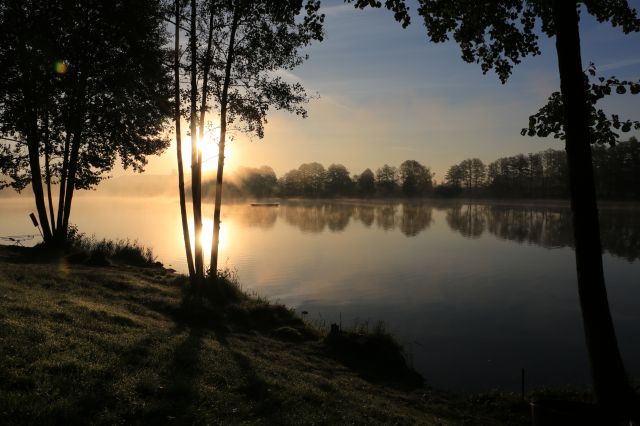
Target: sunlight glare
(206, 237)
(208, 146)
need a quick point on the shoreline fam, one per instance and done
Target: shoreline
(72, 325)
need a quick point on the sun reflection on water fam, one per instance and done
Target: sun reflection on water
(206, 237)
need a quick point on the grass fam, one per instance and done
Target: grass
(103, 252)
(127, 345)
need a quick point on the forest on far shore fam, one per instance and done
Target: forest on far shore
(540, 175)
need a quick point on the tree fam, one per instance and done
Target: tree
(291, 183)
(338, 180)
(497, 35)
(415, 179)
(454, 176)
(177, 118)
(366, 183)
(85, 85)
(312, 179)
(387, 180)
(260, 182)
(253, 39)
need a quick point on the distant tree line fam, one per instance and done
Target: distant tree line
(544, 174)
(540, 175)
(312, 180)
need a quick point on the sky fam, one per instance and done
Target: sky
(387, 94)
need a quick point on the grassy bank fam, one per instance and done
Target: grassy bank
(119, 345)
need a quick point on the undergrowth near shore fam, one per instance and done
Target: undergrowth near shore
(90, 249)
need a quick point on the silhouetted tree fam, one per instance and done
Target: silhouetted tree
(254, 39)
(291, 183)
(259, 182)
(83, 85)
(497, 35)
(313, 176)
(177, 12)
(338, 181)
(387, 180)
(415, 179)
(366, 183)
(469, 174)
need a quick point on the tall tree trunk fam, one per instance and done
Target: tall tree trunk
(36, 179)
(196, 176)
(205, 81)
(203, 99)
(71, 183)
(183, 203)
(223, 134)
(63, 187)
(47, 172)
(610, 381)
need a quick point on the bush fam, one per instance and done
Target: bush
(374, 352)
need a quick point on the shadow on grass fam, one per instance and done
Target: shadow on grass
(267, 406)
(173, 396)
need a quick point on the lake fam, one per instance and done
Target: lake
(475, 291)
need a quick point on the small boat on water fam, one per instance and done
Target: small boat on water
(265, 204)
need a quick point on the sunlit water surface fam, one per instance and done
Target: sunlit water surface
(476, 292)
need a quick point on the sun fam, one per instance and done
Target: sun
(208, 147)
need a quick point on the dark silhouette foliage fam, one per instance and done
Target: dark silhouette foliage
(84, 84)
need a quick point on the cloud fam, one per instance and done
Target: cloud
(619, 64)
(336, 10)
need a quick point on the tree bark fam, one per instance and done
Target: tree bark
(205, 80)
(221, 144)
(36, 177)
(183, 203)
(63, 188)
(47, 173)
(71, 183)
(610, 381)
(196, 175)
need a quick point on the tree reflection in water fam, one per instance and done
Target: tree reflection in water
(546, 226)
(415, 219)
(549, 227)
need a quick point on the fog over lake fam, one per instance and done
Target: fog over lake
(475, 291)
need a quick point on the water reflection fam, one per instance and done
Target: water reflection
(365, 214)
(546, 226)
(315, 217)
(549, 227)
(467, 281)
(415, 219)
(467, 220)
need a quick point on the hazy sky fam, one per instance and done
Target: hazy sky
(387, 95)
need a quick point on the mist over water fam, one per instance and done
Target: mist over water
(475, 291)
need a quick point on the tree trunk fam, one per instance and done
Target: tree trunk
(205, 81)
(36, 179)
(223, 134)
(203, 99)
(63, 187)
(196, 176)
(47, 171)
(183, 203)
(610, 382)
(71, 183)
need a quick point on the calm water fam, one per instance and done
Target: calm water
(475, 291)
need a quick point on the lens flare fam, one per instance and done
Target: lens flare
(60, 67)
